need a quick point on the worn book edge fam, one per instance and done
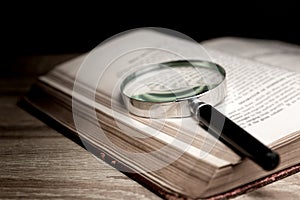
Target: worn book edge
(26, 104)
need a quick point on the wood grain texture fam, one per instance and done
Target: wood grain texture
(37, 162)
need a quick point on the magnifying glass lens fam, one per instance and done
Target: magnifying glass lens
(170, 81)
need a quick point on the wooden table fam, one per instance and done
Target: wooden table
(36, 162)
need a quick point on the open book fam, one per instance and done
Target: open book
(263, 97)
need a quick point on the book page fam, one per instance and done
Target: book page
(262, 99)
(275, 53)
(276, 93)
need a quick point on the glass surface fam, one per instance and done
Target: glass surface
(171, 81)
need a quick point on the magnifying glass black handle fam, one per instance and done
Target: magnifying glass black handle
(235, 137)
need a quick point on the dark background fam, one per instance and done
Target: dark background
(52, 28)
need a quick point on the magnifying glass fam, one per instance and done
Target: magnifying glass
(184, 88)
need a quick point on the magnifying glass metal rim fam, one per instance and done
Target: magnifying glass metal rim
(181, 106)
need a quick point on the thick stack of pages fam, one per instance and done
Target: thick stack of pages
(262, 97)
